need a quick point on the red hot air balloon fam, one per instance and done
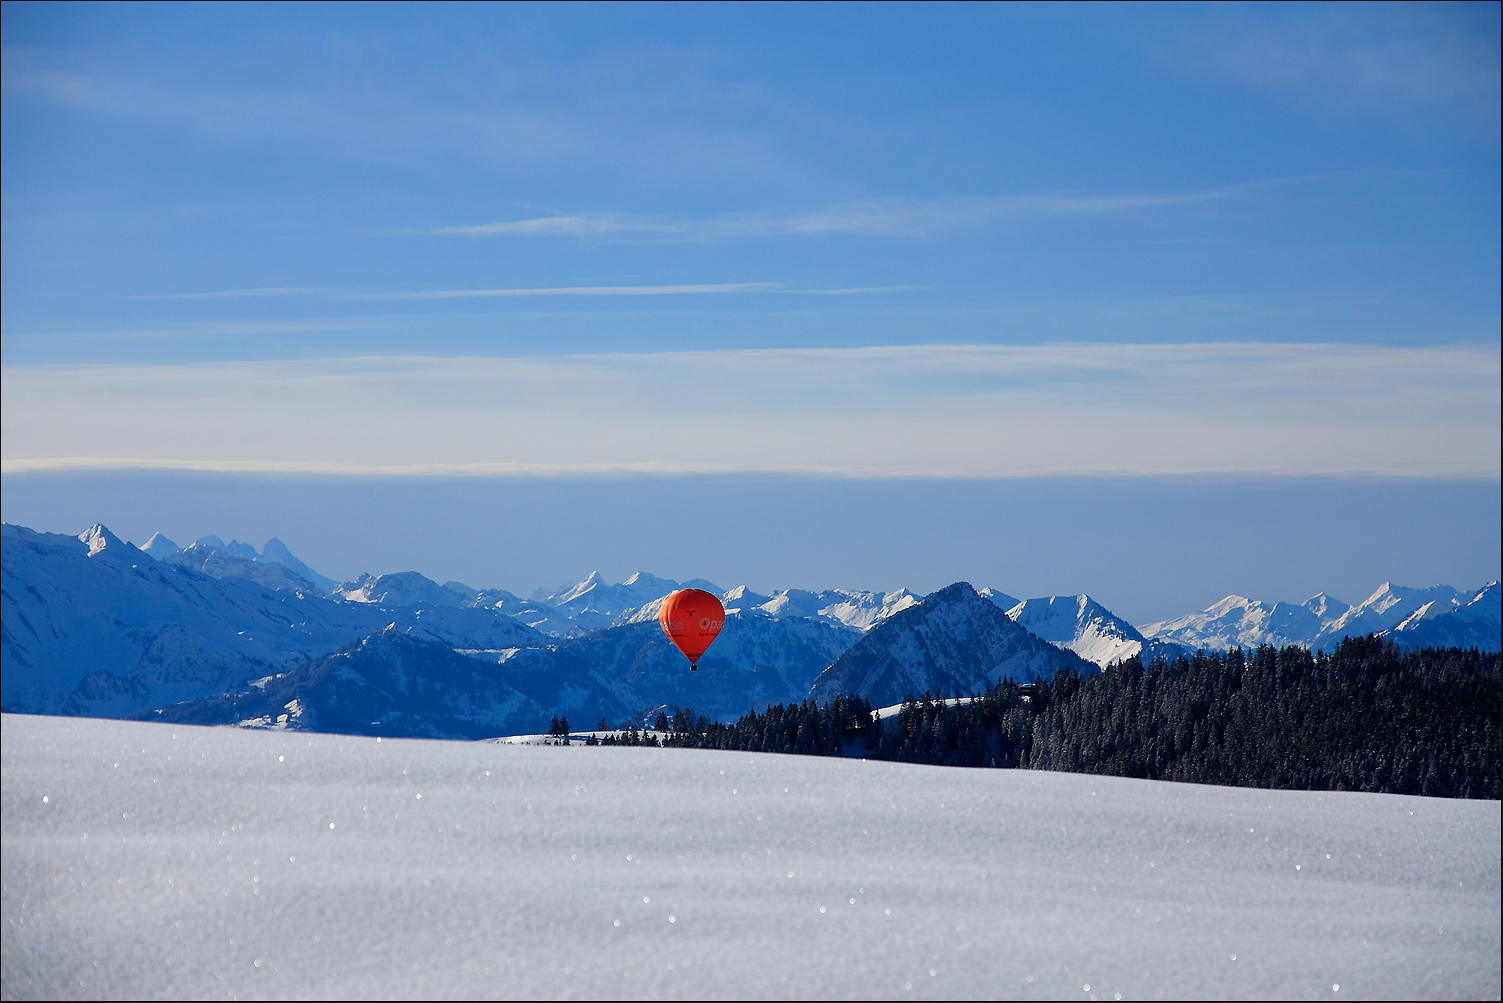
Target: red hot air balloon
(691, 618)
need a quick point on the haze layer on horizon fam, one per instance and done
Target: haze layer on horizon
(796, 264)
(1148, 548)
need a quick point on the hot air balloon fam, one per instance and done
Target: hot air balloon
(691, 618)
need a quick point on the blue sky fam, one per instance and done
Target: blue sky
(854, 245)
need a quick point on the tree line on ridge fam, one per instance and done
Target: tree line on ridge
(1367, 716)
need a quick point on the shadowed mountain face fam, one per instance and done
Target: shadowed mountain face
(956, 640)
(615, 673)
(390, 684)
(400, 685)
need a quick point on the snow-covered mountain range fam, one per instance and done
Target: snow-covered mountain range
(1411, 617)
(1089, 629)
(93, 625)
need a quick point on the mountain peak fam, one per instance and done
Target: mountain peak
(1438, 623)
(1003, 601)
(959, 592)
(242, 550)
(1230, 603)
(592, 581)
(398, 589)
(642, 579)
(1080, 624)
(1324, 606)
(159, 547)
(100, 539)
(955, 639)
(276, 552)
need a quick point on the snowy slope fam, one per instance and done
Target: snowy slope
(175, 862)
(955, 639)
(1082, 625)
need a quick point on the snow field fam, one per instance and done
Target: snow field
(163, 861)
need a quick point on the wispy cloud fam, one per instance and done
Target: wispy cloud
(688, 289)
(675, 289)
(262, 292)
(912, 411)
(1398, 58)
(870, 217)
(364, 120)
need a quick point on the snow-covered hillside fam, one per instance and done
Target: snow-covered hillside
(172, 862)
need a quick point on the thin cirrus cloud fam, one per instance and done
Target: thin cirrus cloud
(907, 411)
(870, 217)
(687, 289)
(260, 292)
(1387, 59)
(679, 289)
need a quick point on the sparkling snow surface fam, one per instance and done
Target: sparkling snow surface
(152, 860)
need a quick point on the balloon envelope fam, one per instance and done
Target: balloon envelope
(691, 618)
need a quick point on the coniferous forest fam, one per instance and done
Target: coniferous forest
(1365, 717)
